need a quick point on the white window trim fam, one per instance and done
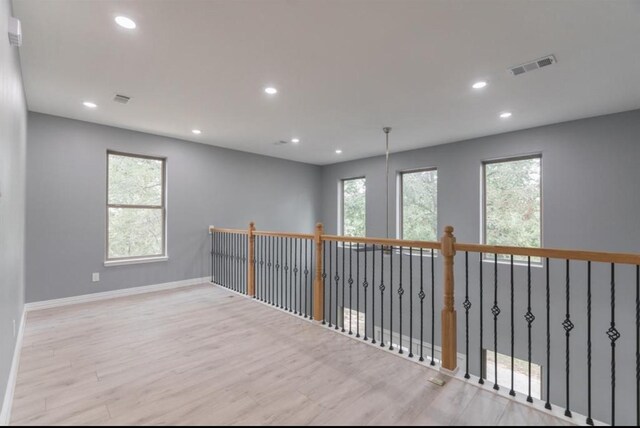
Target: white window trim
(140, 260)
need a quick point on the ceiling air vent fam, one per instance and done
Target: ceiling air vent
(280, 143)
(533, 65)
(122, 99)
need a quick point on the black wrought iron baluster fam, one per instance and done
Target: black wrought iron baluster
(324, 281)
(330, 281)
(400, 293)
(512, 392)
(589, 420)
(212, 244)
(433, 307)
(344, 249)
(309, 313)
(337, 280)
(271, 269)
(568, 326)
(495, 310)
(365, 285)
(638, 345)
(391, 299)
(547, 404)
(287, 274)
(358, 288)
(301, 285)
(410, 302)
(306, 275)
(530, 318)
(292, 296)
(614, 335)
(481, 380)
(382, 287)
(283, 274)
(373, 294)
(467, 305)
(350, 286)
(421, 295)
(236, 263)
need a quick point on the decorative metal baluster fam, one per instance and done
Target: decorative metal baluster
(330, 281)
(294, 276)
(547, 404)
(283, 274)
(589, 420)
(421, 295)
(358, 288)
(613, 336)
(391, 300)
(337, 280)
(467, 306)
(288, 273)
(350, 285)
(373, 294)
(309, 288)
(382, 287)
(638, 345)
(433, 307)
(495, 310)
(410, 302)
(299, 303)
(324, 281)
(481, 380)
(512, 392)
(365, 285)
(530, 318)
(306, 275)
(568, 326)
(400, 293)
(344, 249)
(272, 268)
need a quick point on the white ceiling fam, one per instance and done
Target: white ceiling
(344, 68)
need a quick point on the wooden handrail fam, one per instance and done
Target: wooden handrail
(553, 253)
(284, 234)
(221, 230)
(384, 241)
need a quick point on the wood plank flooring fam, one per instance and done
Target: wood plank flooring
(202, 355)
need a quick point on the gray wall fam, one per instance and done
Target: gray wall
(590, 201)
(66, 196)
(13, 132)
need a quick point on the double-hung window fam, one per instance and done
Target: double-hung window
(353, 195)
(418, 205)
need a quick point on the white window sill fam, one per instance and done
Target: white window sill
(124, 262)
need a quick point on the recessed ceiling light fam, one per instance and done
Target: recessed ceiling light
(125, 22)
(338, 151)
(89, 104)
(295, 140)
(271, 90)
(505, 115)
(479, 85)
(196, 131)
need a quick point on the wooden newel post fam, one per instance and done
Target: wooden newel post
(449, 317)
(251, 274)
(318, 283)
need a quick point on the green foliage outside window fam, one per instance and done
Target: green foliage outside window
(513, 203)
(420, 205)
(135, 207)
(354, 193)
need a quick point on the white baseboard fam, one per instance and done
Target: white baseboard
(46, 304)
(5, 414)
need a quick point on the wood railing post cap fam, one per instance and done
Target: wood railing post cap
(319, 226)
(448, 230)
(252, 224)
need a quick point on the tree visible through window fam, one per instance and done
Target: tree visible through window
(135, 206)
(512, 191)
(419, 205)
(354, 193)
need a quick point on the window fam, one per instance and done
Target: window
(135, 207)
(353, 221)
(353, 320)
(418, 205)
(512, 203)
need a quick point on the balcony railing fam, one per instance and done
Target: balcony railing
(576, 314)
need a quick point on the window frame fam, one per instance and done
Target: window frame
(483, 201)
(400, 199)
(114, 261)
(341, 204)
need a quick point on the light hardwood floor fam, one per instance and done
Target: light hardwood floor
(203, 355)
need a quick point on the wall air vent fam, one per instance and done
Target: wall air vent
(533, 65)
(122, 99)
